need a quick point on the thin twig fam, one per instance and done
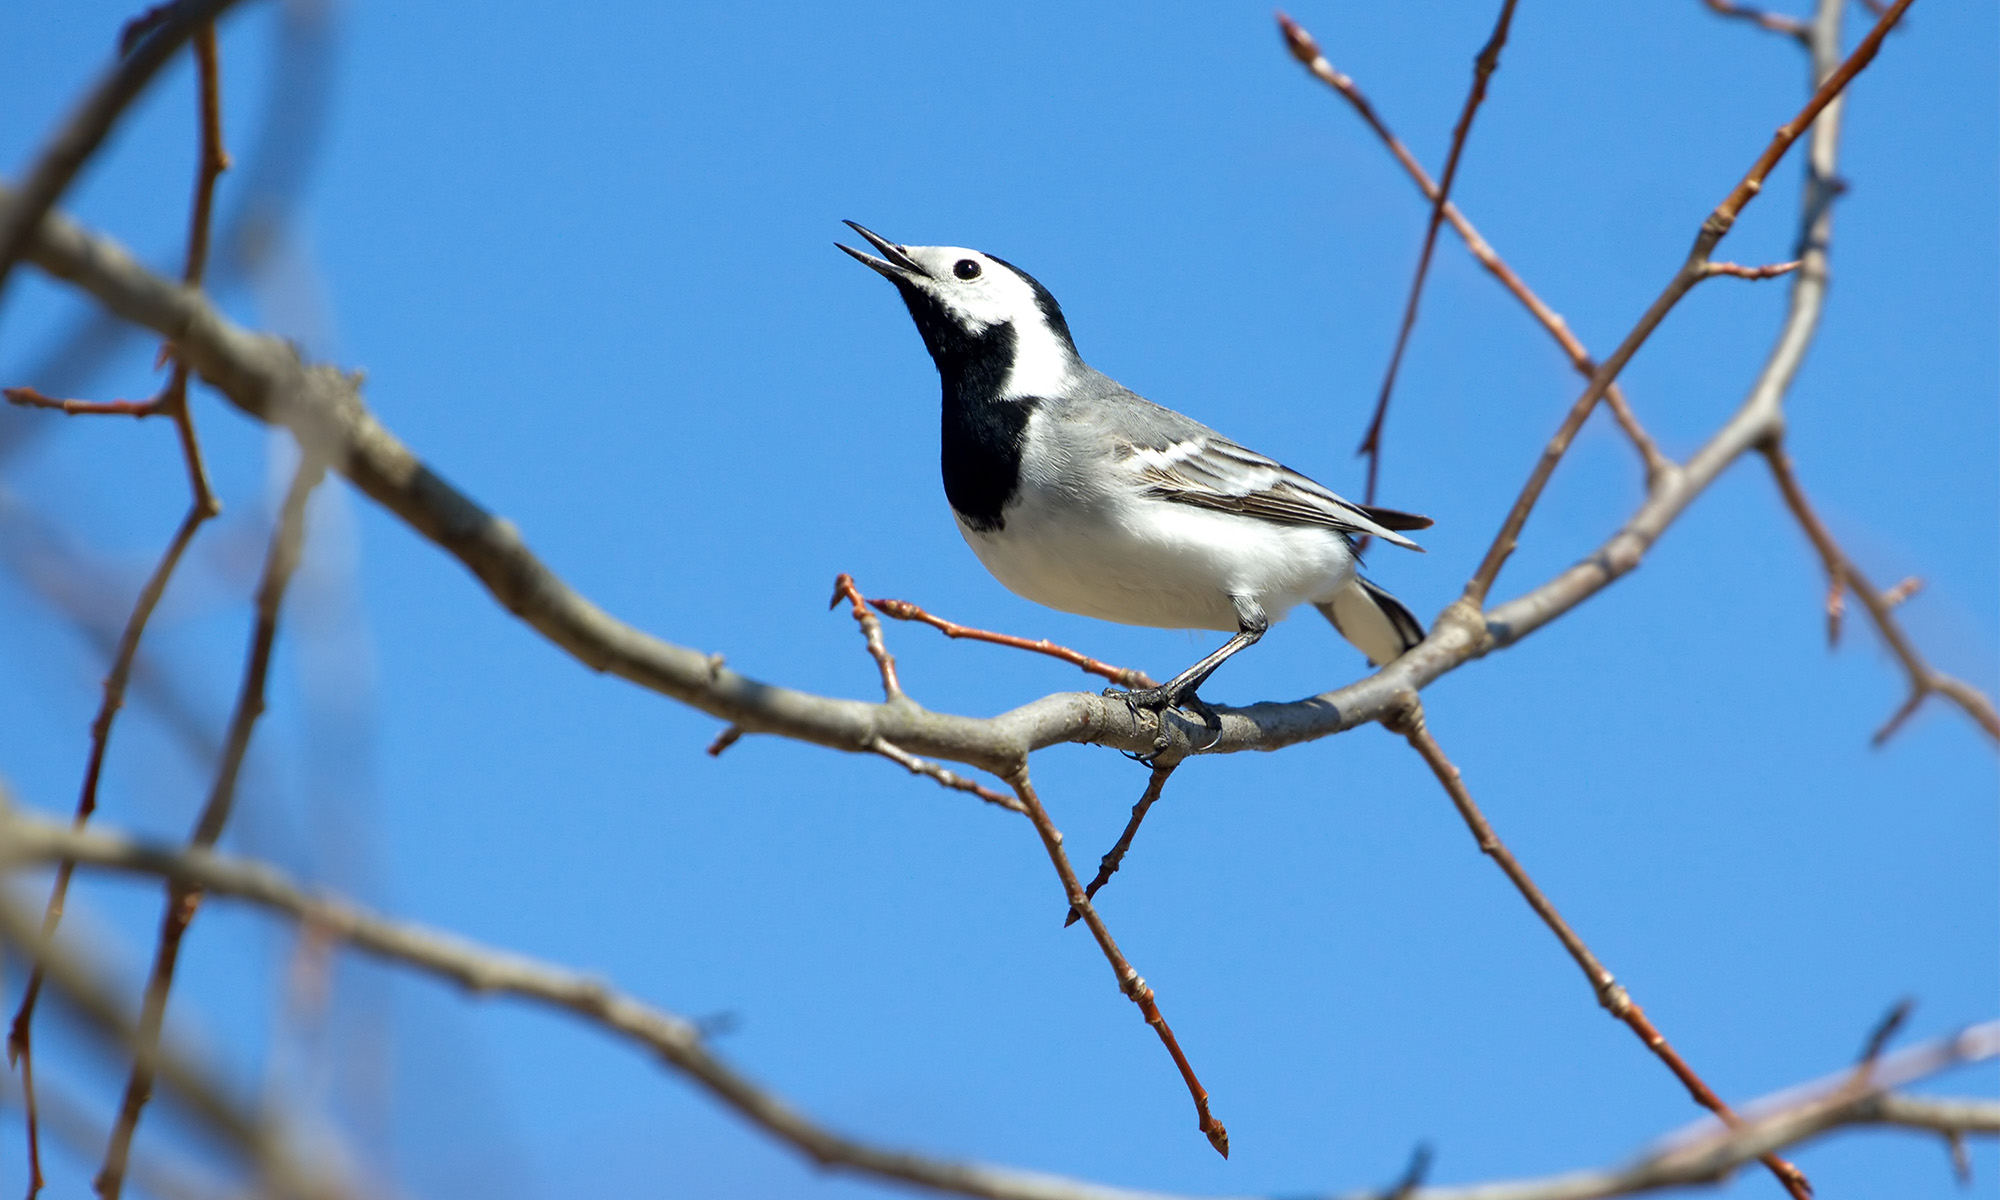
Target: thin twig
(1791, 27)
(1698, 1154)
(1692, 271)
(287, 541)
(88, 994)
(944, 776)
(1304, 48)
(202, 505)
(1413, 1174)
(1738, 270)
(1844, 577)
(871, 632)
(1483, 67)
(1610, 993)
(903, 610)
(27, 397)
(20, 1036)
(1108, 865)
(1885, 1031)
(1129, 983)
(86, 128)
(76, 1126)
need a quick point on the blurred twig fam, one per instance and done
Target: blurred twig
(87, 126)
(171, 402)
(87, 994)
(286, 542)
(1698, 1155)
(1791, 27)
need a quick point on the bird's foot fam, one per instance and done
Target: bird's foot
(1157, 701)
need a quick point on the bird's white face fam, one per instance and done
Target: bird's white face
(975, 290)
(975, 293)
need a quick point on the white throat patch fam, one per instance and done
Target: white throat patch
(1043, 363)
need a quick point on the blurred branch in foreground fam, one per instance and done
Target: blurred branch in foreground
(1860, 1096)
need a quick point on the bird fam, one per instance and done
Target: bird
(1083, 496)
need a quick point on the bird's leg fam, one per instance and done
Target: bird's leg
(1251, 622)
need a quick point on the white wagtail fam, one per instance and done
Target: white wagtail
(1078, 494)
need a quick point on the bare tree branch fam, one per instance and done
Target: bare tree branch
(265, 378)
(1699, 1155)
(1610, 993)
(287, 540)
(1113, 858)
(1129, 982)
(1307, 51)
(1692, 271)
(871, 632)
(90, 997)
(1739, 271)
(903, 610)
(87, 127)
(172, 401)
(1791, 27)
(1843, 576)
(946, 778)
(1483, 67)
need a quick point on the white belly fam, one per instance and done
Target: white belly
(1156, 562)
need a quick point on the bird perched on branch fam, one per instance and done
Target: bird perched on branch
(1078, 494)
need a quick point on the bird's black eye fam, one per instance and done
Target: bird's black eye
(965, 268)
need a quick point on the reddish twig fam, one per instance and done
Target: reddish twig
(944, 776)
(903, 610)
(871, 631)
(287, 541)
(27, 397)
(1482, 69)
(1129, 983)
(1791, 27)
(1692, 271)
(1843, 577)
(172, 402)
(1772, 271)
(1304, 48)
(214, 156)
(20, 1035)
(1109, 864)
(1610, 993)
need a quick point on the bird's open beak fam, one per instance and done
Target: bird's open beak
(898, 265)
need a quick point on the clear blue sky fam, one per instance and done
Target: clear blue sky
(585, 259)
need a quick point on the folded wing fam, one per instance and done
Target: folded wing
(1212, 472)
